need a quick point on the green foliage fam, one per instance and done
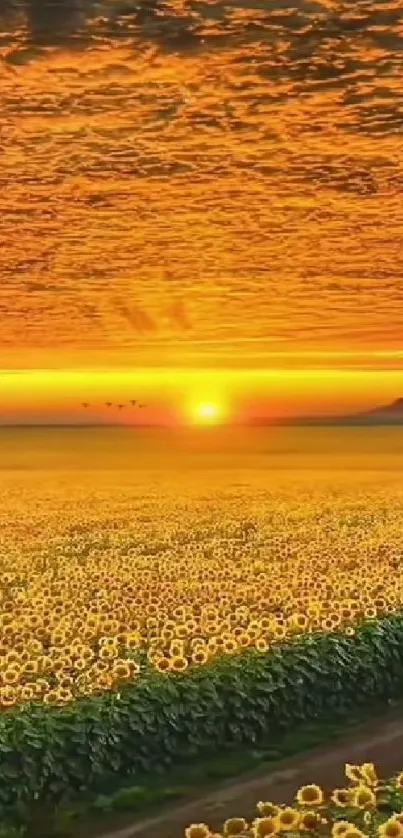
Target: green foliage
(51, 756)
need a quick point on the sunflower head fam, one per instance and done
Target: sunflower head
(288, 819)
(309, 820)
(197, 830)
(235, 826)
(341, 797)
(267, 809)
(311, 795)
(353, 773)
(369, 774)
(392, 828)
(399, 780)
(363, 797)
(264, 826)
(339, 828)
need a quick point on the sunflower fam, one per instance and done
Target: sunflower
(340, 828)
(177, 648)
(107, 652)
(230, 645)
(162, 664)
(309, 820)
(399, 780)
(354, 832)
(121, 669)
(178, 664)
(51, 697)
(26, 693)
(200, 656)
(363, 797)
(311, 795)
(392, 828)
(288, 819)
(11, 676)
(267, 809)
(197, 830)
(234, 826)
(12, 657)
(264, 826)
(66, 681)
(369, 774)
(8, 696)
(353, 773)
(341, 797)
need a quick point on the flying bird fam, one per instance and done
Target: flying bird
(108, 404)
(120, 406)
(84, 404)
(133, 402)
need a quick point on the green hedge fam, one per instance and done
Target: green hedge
(49, 755)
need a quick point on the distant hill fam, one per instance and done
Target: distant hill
(390, 414)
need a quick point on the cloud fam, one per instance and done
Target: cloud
(139, 320)
(52, 21)
(179, 315)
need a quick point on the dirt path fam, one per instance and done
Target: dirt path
(380, 742)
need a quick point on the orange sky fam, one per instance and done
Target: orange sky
(219, 216)
(170, 395)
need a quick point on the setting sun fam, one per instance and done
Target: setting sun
(207, 413)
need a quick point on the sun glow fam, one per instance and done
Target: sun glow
(207, 413)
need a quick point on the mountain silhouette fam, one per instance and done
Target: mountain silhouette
(393, 409)
(389, 414)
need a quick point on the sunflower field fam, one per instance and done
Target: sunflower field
(142, 626)
(91, 601)
(366, 808)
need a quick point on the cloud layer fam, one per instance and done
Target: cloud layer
(198, 181)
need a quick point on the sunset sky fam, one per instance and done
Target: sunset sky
(200, 202)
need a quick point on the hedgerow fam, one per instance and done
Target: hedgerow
(49, 755)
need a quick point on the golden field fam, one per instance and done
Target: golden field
(366, 806)
(128, 561)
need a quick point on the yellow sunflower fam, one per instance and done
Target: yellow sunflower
(354, 832)
(392, 828)
(340, 828)
(311, 795)
(162, 664)
(341, 797)
(369, 774)
(197, 830)
(309, 820)
(363, 797)
(234, 826)
(267, 809)
(288, 819)
(353, 773)
(264, 826)
(178, 664)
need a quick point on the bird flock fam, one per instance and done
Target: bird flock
(132, 403)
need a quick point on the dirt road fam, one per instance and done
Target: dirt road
(380, 742)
